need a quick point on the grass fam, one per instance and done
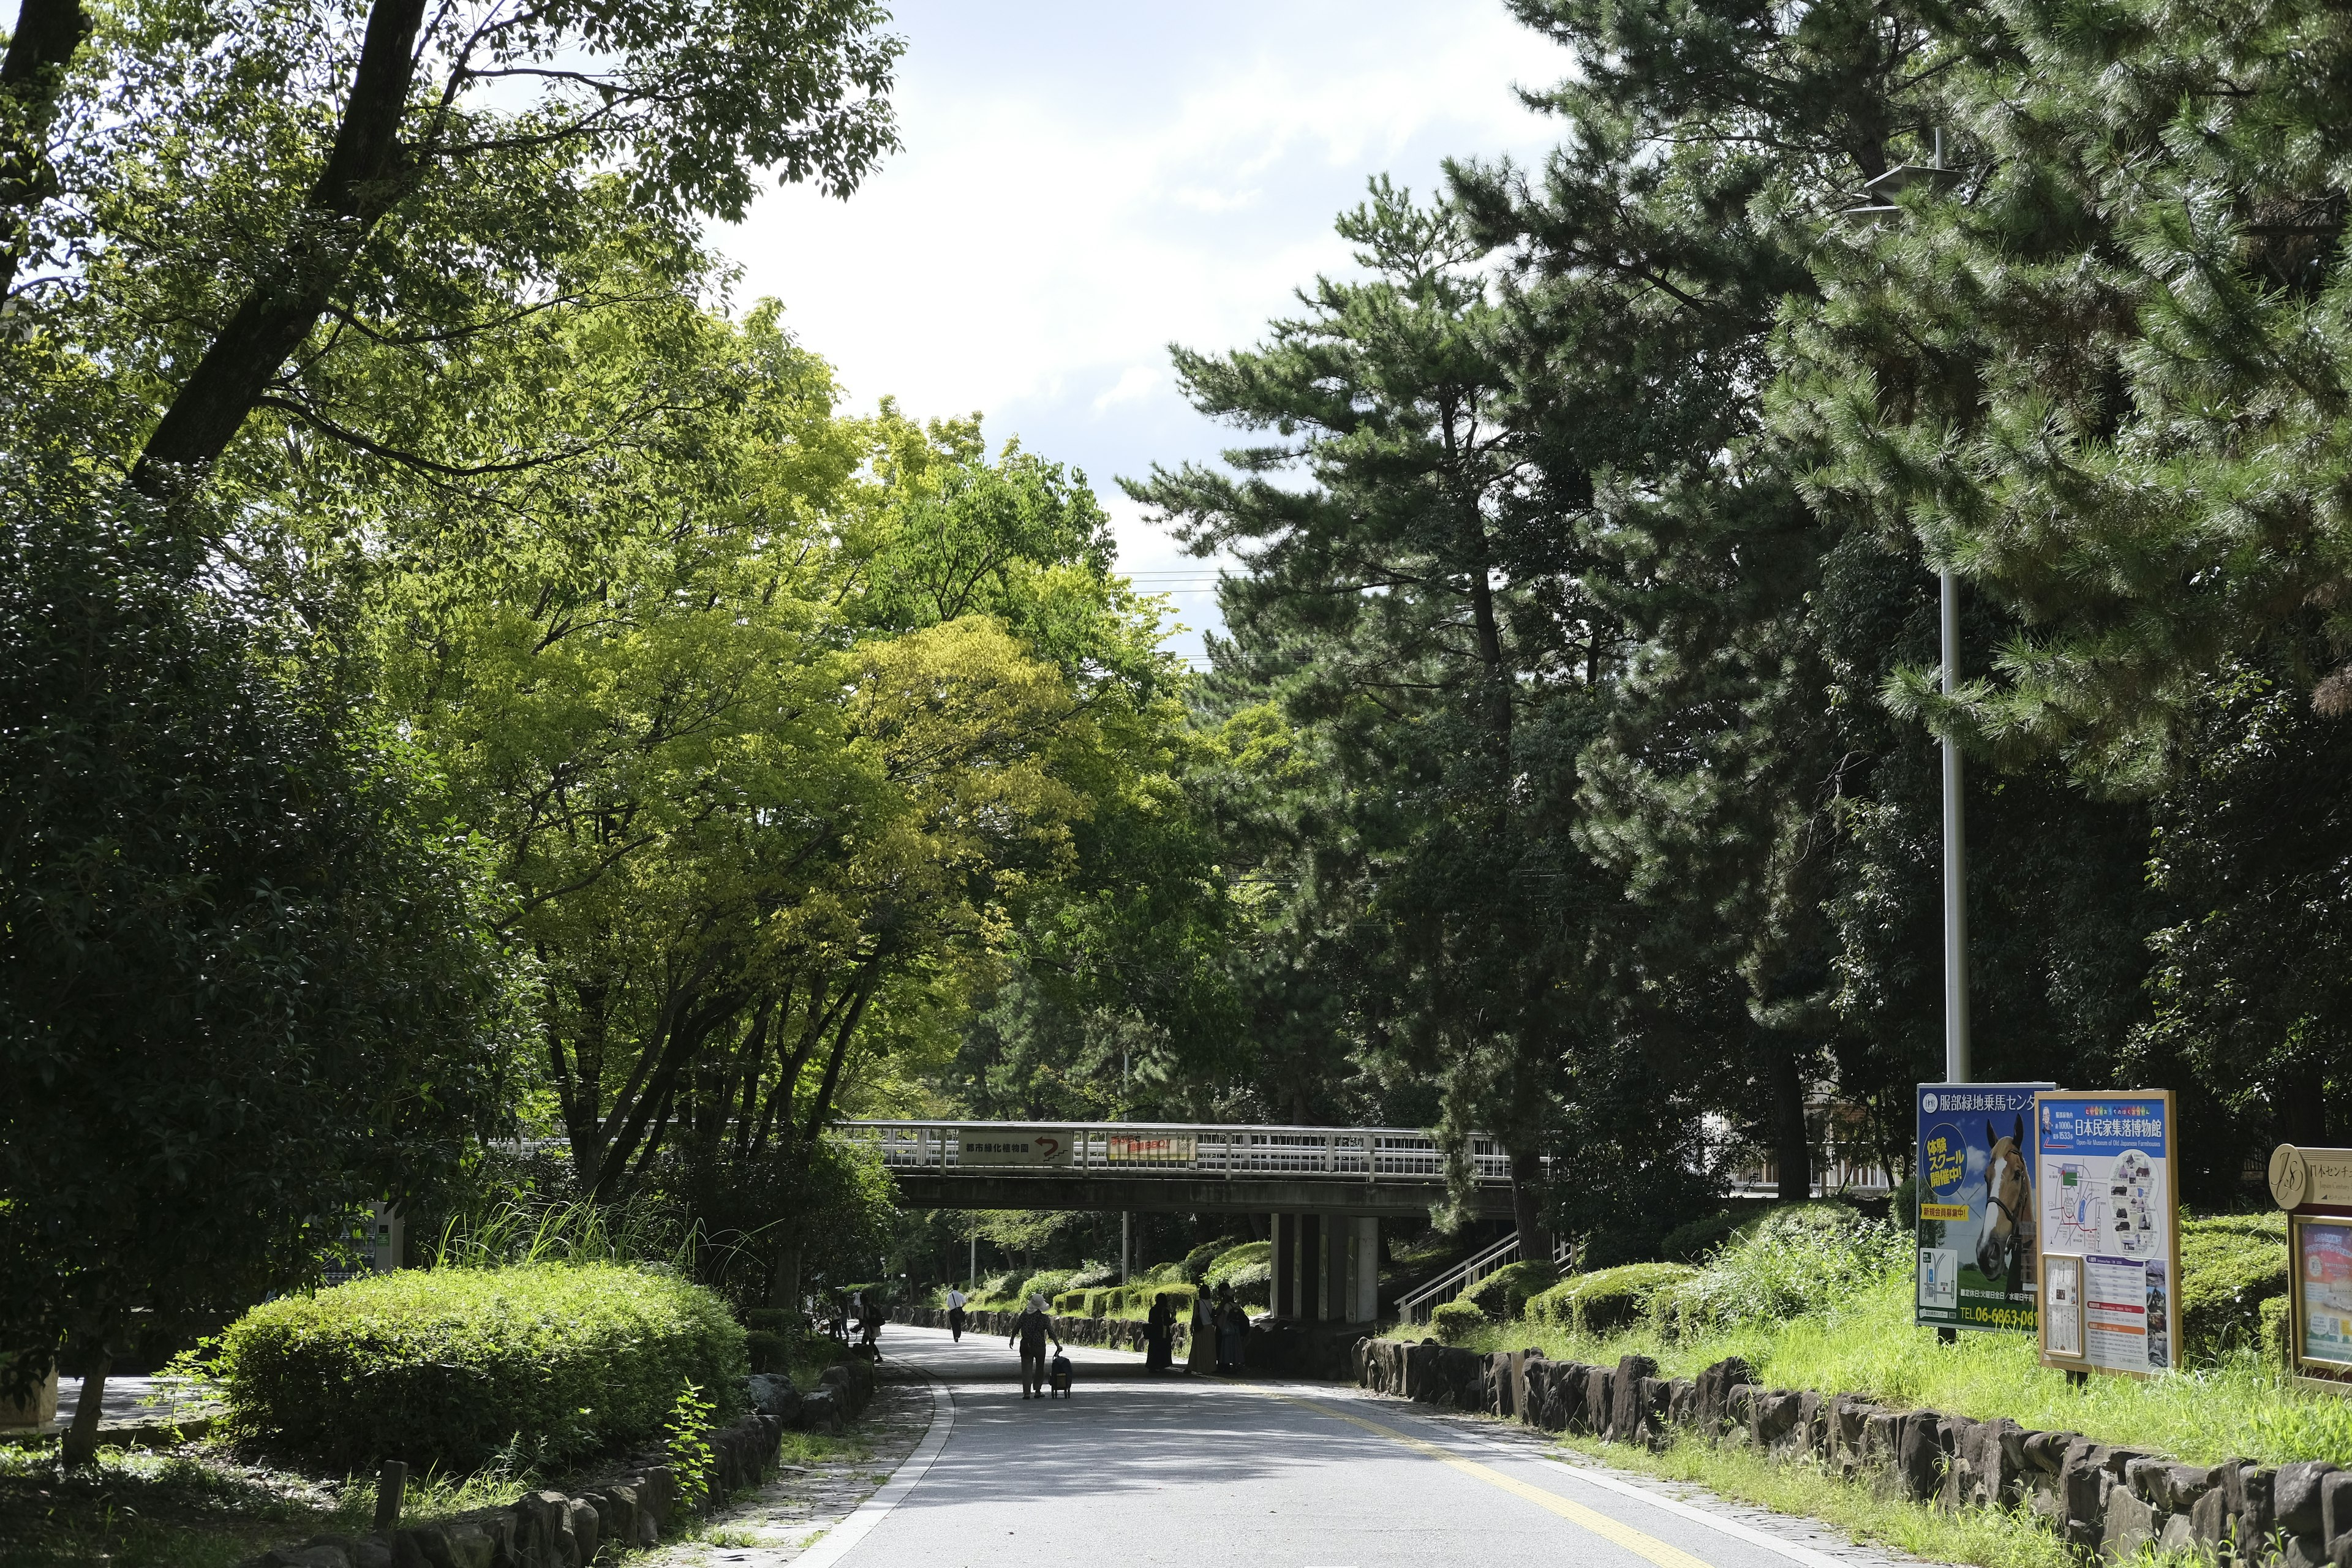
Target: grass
(1989, 1538)
(200, 1507)
(2238, 1405)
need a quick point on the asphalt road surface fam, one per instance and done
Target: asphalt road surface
(1144, 1471)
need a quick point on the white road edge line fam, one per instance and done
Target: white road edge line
(836, 1542)
(1733, 1528)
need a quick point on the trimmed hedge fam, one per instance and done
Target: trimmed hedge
(1607, 1298)
(1242, 1259)
(1504, 1294)
(1455, 1322)
(2229, 1266)
(447, 1366)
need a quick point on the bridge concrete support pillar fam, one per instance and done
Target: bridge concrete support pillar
(1363, 1269)
(1283, 1293)
(1338, 1237)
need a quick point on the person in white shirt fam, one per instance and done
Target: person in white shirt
(956, 1298)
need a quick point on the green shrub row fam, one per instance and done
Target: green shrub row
(1607, 1298)
(449, 1366)
(1247, 1259)
(2231, 1265)
(1125, 1300)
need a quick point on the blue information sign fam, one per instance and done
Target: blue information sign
(1976, 1217)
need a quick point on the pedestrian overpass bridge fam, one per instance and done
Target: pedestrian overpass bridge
(1178, 1167)
(1324, 1190)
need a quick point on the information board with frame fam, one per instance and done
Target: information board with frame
(2314, 1187)
(2108, 1192)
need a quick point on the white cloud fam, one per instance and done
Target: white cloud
(1082, 185)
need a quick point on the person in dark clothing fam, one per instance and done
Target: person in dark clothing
(1159, 1334)
(1233, 1330)
(1030, 1330)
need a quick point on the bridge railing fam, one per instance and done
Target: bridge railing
(1175, 1149)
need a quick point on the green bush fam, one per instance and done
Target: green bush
(1253, 1282)
(1049, 1284)
(1196, 1262)
(1235, 1260)
(2229, 1266)
(1607, 1298)
(1796, 1259)
(1455, 1321)
(1503, 1295)
(1693, 1240)
(448, 1366)
(787, 1320)
(1091, 1274)
(768, 1351)
(2276, 1326)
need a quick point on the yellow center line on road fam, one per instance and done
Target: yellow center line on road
(1600, 1524)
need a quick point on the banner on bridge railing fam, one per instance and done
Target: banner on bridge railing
(1025, 1146)
(1151, 1149)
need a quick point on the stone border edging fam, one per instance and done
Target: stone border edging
(2103, 1500)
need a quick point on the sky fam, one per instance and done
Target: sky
(1082, 184)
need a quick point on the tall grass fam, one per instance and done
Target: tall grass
(1864, 1342)
(511, 1232)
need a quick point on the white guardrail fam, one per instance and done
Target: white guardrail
(1174, 1148)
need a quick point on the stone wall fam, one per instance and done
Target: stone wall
(564, 1529)
(2105, 1501)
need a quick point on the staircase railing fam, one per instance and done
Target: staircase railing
(1416, 1306)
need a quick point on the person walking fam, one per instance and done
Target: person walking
(956, 1298)
(1159, 1334)
(1030, 1330)
(1200, 1349)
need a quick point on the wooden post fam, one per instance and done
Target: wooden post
(390, 1482)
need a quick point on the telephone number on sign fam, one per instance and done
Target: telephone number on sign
(1999, 1317)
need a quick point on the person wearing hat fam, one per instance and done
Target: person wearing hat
(1031, 1329)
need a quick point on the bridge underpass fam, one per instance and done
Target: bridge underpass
(1324, 1190)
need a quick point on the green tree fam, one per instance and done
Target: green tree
(247, 987)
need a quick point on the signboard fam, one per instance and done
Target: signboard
(1149, 1148)
(2062, 1307)
(1977, 1252)
(1034, 1147)
(2107, 1192)
(2314, 1187)
(2304, 1178)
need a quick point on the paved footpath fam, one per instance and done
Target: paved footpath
(1174, 1472)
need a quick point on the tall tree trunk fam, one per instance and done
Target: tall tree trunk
(368, 170)
(31, 75)
(1793, 1152)
(2302, 1103)
(82, 1437)
(1526, 1206)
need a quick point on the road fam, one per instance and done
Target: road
(1170, 1472)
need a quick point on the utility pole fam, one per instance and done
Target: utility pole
(1122, 1214)
(1956, 860)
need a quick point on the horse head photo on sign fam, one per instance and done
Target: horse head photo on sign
(2005, 1242)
